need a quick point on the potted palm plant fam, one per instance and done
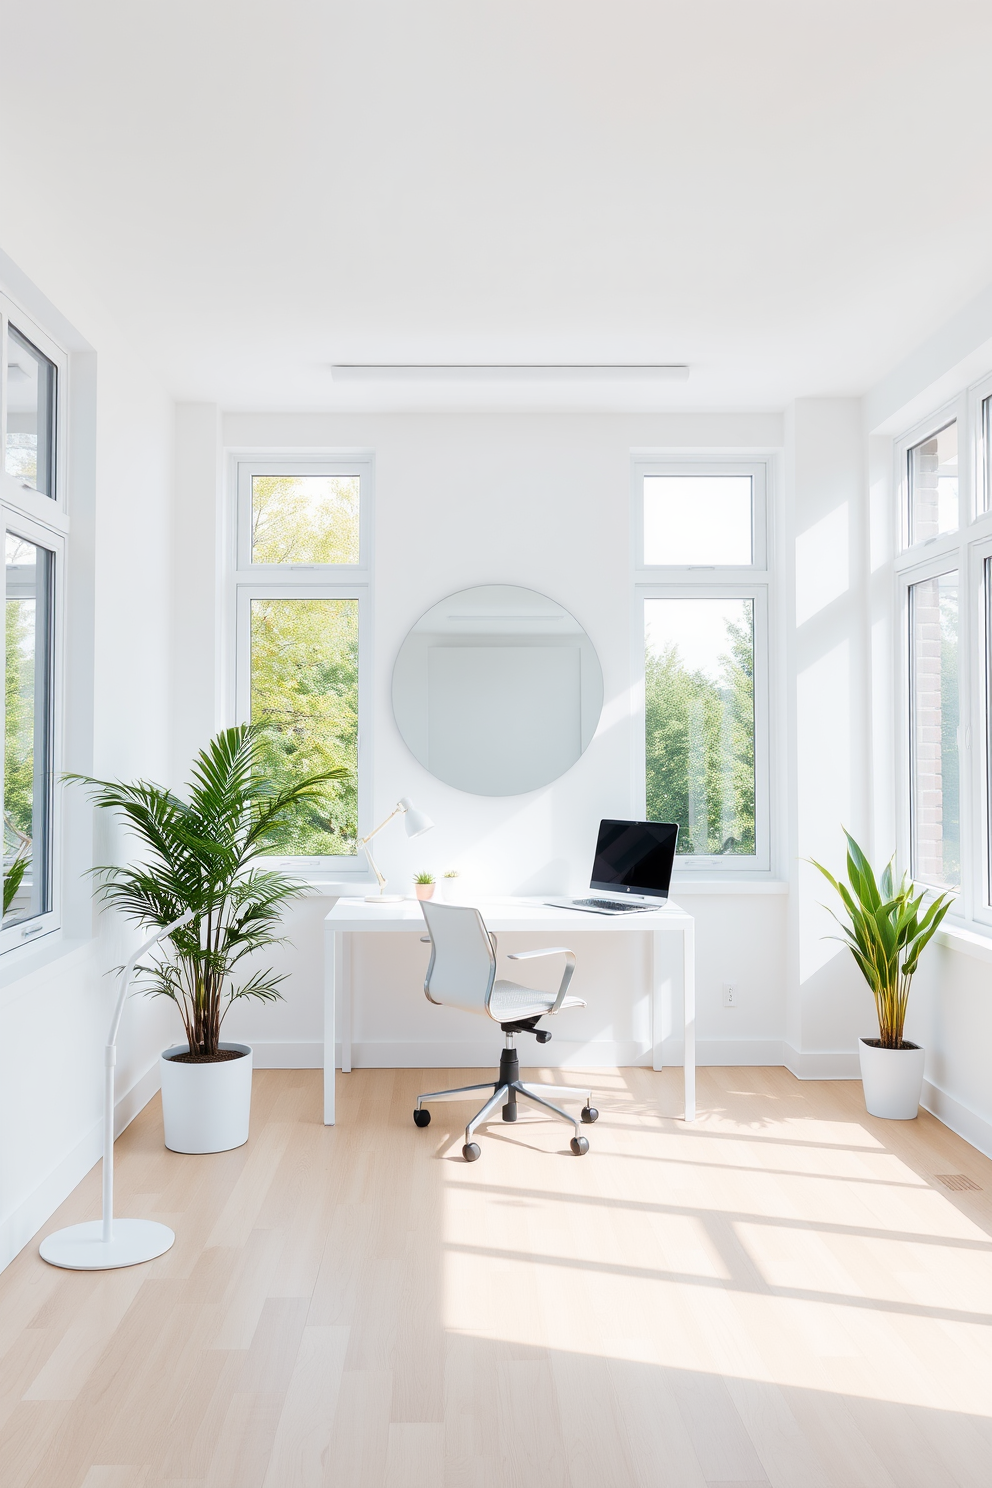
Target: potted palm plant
(202, 855)
(886, 929)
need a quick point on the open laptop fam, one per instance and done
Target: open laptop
(632, 869)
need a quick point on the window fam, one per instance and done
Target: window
(699, 520)
(702, 601)
(302, 582)
(29, 443)
(932, 482)
(34, 528)
(935, 817)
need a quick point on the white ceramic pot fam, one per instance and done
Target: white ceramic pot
(206, 1107)
(892, 1080)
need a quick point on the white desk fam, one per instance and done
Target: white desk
(355, 917)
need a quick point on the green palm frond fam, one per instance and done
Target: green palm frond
(885, 933)
(201, 855)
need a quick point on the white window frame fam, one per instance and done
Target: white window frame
(269, 466)
(306, 581)
(43, 520)
(954, 412)
(929, 565)
(963, 550)
(51, 511)
(979, 472)
(36, 928)
(756, 469)
(752, 581)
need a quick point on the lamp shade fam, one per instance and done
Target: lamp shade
(416, 822)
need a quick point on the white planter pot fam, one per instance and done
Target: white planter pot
(892, 1080)
(206, 1107)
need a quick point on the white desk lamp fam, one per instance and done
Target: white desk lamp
(103, 1244)
(416, 824)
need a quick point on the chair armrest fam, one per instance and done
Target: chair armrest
(425, 940)
(528, 955)
(566, 975)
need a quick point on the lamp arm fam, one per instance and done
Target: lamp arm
(129, 969)
(362, 841)
(380, 880)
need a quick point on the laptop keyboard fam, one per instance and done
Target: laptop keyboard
(613, 904)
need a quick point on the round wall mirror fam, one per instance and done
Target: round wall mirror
(497, 690)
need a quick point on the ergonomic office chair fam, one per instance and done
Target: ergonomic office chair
(462, 974)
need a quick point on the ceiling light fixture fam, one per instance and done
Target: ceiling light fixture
(477, 372)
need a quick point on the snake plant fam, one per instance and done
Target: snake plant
(886, 930)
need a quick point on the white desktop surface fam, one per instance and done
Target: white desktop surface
(356, 916)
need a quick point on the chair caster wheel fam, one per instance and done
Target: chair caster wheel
(589, 1114)
(510, 1112)
(579, 1145)
(423, 1118)
(471, 1152)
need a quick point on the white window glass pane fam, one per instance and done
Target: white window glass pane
(699, 519)
(30, 452)
(936, 829)
(987, 441)
(933, 485)
(304, 685)
(304, 518)
(27, 732)
(699, 696)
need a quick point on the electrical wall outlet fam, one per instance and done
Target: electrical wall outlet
(730, 994)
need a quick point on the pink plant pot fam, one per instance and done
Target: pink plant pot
(425, 891)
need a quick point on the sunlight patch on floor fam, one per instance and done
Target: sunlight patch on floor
(778, 1249)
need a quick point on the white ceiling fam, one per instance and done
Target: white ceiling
(788, 196)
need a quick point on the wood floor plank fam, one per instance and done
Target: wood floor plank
(781, 1295)
(299, 1456)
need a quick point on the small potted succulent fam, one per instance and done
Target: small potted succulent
(886, 930)
(423, 884)
(448, 881)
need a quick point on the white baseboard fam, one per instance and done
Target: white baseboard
(17, 1227)
(743, 1051)
(821, 1064)
(975, 1129)
(279, 1054)
(484, 1053)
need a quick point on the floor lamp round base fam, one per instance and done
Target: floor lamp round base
(82, 1247)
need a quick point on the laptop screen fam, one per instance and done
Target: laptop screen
(635, 857)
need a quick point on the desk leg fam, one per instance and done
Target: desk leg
(659, 980)
(342, 978)
(689, 1013)
(331, 951)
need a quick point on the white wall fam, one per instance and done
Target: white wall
(55, 998)
(541, 501)
(828, 693)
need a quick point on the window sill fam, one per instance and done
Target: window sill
(337, 888)
(968, 942)
(682, 887)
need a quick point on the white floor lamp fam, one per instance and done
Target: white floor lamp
(103, 1244)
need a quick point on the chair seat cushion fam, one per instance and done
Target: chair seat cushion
(511, 1001)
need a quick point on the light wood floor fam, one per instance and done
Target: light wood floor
(780, 1294)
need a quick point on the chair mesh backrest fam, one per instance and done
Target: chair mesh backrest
(463, 963)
